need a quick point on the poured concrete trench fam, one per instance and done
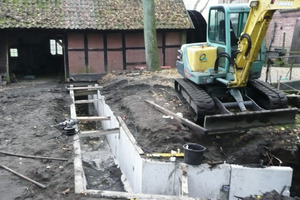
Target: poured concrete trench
(147, 178)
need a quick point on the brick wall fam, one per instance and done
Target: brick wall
(76, 53)
(285, 22)
(102, 52)
(95, 45)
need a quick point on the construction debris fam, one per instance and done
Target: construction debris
(22, 176)
(29, 156)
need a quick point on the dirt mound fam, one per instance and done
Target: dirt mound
(155, 132)
(273, 195)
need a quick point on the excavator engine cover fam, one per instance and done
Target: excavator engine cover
(202, 57)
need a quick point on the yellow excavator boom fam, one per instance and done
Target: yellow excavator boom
(254, 32)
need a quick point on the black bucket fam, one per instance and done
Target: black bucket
(193, 153)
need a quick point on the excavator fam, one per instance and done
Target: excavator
(221, 76)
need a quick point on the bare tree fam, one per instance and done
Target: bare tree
(204, 7)
(200, 1)
(196, 4)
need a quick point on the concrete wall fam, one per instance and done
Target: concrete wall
(245, 181)
(222, 181)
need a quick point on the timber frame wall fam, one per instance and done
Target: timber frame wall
(97, 52)
(102, 52)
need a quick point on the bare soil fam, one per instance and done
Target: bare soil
(27, 111)
(29, 108)
(126, 94)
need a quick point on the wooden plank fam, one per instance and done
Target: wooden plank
(116, 194)
(79, 176)
(98, 133)
(130, 136)
(164, 155)
(93, 118)
(29, 156)
(88, 101)
(192, 125)
(85, 88)
(24, 177)
(85, 93)
(72, 106)
(184, 181)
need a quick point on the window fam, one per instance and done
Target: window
(56, 47)
(216, 31)
(238, 21)
(13, 52)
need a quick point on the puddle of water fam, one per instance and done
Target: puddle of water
(99, 166)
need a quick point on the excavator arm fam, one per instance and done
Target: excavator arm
(254, 32)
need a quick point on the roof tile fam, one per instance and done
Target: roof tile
(90, 14)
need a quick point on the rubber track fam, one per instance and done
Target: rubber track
(205, 104)
(275, 98)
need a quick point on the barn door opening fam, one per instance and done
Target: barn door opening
(36, 55)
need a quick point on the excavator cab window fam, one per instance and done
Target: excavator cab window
(237, 24)
(216, 32)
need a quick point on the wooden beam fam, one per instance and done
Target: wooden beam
(88, 101)
(24, 177)
(72, 106)
(130, 136)
(116, 194)
(7, 59)
(93, 118)
(182, 120)
(184, 181)
(164, 155)
(79, 176)
(85, 93)
(29, 156)
(85, 88)
(98, 133)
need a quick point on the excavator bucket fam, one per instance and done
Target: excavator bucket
(224, 123)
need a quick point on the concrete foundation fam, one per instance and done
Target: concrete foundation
(148, 178)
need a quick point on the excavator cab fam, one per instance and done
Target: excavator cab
(221, 85)
(225, 26)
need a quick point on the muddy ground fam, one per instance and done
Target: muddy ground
(29, 108)
(27, 111)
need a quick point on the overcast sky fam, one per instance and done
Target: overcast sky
(190, 5)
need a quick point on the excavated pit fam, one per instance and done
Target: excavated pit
(101, 171)
(154, 132)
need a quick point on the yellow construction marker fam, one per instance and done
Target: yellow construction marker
(164, 155)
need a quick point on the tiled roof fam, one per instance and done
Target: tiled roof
(90, 14)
